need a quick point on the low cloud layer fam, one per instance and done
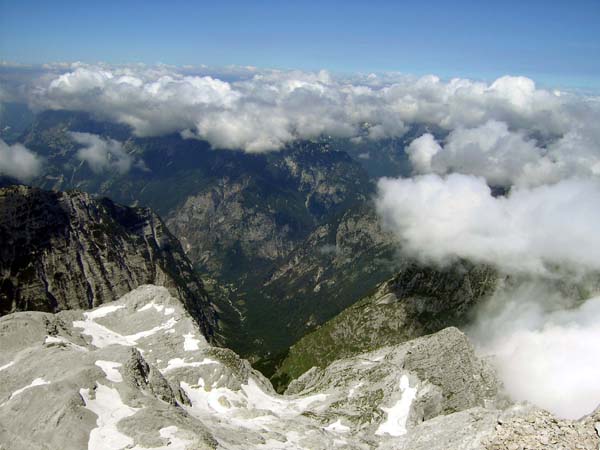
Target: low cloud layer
(545, 346)
(542, 146)
(505, 158)
(532, 230)
(103, 154)
(264, 110)
(539, 328)
(19, 162)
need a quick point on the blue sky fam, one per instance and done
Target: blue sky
(554, 42)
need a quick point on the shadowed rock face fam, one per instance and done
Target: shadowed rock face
(65, 250)
(137, 373)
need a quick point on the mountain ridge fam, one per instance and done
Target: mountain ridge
(66, 250)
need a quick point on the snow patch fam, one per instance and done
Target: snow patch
(142, 334)
(36, 382)
(211, 401)
(174, 443)
(6, 366)
(102, 311)
(337, 427)
(151, 305)
(110, 369)
(282, 407)
(249, 407)
(103, 337)
(166, 310)
(190, 343)
(353, 390)
(110, 409)
(177, 363)
(397, 415)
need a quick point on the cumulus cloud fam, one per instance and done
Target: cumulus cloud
(264, 110)
(544, 345)
(539, 330)
(531, 230)
(102, 154)
(19, 162)
(504, 157)
(421, 152)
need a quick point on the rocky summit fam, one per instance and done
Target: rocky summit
(138, 374)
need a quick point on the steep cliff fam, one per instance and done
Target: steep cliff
(340, 262)
(66, 250)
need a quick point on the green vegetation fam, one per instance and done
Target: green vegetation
(415, 302)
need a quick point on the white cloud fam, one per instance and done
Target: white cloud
(532, 230)
(504, 157)
(102, 154)
(264, 110)
(421, 152)
(19, 162)
(545, 346)
(542, 336)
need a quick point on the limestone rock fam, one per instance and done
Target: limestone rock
(137, 373)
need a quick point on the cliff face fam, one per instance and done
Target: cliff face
(339, 263)
(66, 250)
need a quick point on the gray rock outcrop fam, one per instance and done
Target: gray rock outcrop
(137, 373)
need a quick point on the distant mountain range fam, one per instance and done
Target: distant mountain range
(289, 237)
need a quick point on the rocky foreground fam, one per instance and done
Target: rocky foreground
(138, 373)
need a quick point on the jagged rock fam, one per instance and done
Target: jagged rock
(65, 250)
(532, 428)
(108, 379)
(449, 377)
(339, 263)
(137, 372)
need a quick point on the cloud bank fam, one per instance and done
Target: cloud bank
(265, 110)
(19, 162)
(541, 325)
(545, 347)
(542, 146)
(505, 158)
(531, 230)
(102, 154)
